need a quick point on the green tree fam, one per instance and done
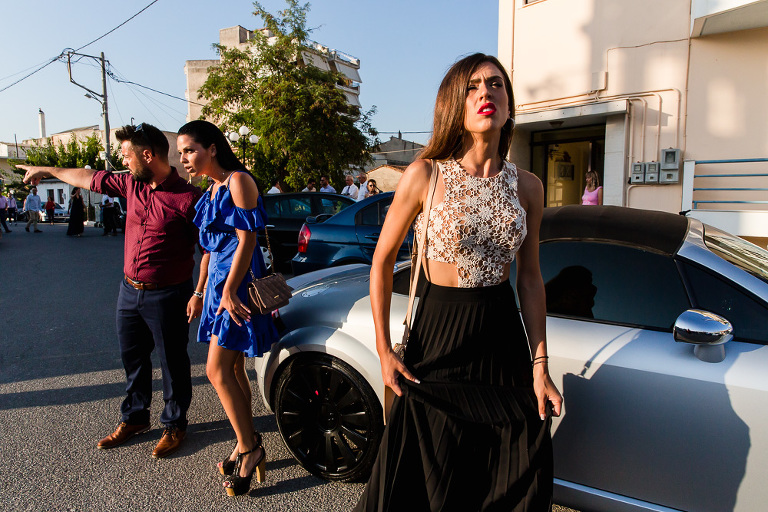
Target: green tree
(305, 124)
(75, 153)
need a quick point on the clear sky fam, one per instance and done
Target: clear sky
(404, 47)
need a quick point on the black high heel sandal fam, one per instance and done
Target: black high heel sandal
(227, 466)
(241, 484)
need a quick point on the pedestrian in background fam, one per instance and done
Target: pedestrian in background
(311, 187)
(228, 215)
(469, 427)
(4, 211)
(276, 187)
(33, 206)
(593, 192)
(325, 186)
(12, 207)
(50, 209)
(160, 240)
(109, 215)
(76, 213)
(350, 189)
(362, 185)
(371, 187)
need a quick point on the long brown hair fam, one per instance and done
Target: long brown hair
(448, 125)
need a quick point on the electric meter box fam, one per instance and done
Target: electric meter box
(667, 177)
(670, 159)
(651, 172)
(638, 173)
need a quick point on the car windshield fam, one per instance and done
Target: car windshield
(747, 256)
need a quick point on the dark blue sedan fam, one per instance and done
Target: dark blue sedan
(350, 236)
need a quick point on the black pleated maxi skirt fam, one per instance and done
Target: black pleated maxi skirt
(469, 436)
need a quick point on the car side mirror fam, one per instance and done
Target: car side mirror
(706, 331)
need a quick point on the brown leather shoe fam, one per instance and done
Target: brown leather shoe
(169, 443)
(123, 433)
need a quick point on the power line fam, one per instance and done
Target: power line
(428, 131)
(120, 25)
(22, 71)
(122, 81)
(58, 57)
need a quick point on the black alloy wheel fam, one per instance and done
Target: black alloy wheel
(329, 417)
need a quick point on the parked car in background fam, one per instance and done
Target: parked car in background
(59, 214)
(350, 236)
(288, 212)
(656, 327)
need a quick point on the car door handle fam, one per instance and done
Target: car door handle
(270, 226)
(373, 236)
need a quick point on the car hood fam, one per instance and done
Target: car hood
(346, 275)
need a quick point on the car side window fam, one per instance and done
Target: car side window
(331, 206)
(370, 216)
(383, 209)
(375, 214)
(612, 283)
(747, 315)
(292, 208)
(272, 206)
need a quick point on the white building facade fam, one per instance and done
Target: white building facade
(319, 56)
(666, 99)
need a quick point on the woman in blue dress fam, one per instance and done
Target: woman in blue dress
(228, 216)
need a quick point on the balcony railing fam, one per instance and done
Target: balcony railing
(690, 189)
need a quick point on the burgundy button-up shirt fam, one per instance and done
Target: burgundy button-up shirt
(160, 236)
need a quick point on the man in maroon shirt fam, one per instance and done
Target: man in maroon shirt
(160, 240)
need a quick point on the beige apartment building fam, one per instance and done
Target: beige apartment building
(318, 55)
(666, 99)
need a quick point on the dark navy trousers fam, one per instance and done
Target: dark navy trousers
(149, 319)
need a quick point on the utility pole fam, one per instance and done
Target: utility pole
(101, 98)
(104, 109)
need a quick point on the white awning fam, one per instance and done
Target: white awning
(352, 99)
(347, 70)
(313, 59)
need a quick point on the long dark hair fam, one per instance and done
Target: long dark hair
(206, 134)
(448, 125)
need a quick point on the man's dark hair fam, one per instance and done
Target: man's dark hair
(145, 136)
(324, 176)
(310, 181)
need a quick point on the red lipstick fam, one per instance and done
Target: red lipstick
(487, 109)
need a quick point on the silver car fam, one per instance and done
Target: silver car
(657, 329)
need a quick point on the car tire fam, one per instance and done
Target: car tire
(329, 417)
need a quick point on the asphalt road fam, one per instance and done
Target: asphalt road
(62, 382)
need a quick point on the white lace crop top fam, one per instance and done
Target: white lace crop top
(478, 227)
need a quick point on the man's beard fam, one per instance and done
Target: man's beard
(143, 174)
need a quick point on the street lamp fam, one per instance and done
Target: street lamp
(241, 134)
(89, 199)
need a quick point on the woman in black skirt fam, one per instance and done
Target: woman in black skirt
(469, 428)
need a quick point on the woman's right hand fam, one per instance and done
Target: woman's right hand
(392, 367)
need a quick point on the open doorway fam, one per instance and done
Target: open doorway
(561, 159)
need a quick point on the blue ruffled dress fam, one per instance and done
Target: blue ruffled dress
(217, 218)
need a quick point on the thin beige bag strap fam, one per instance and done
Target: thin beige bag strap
(421, 247)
